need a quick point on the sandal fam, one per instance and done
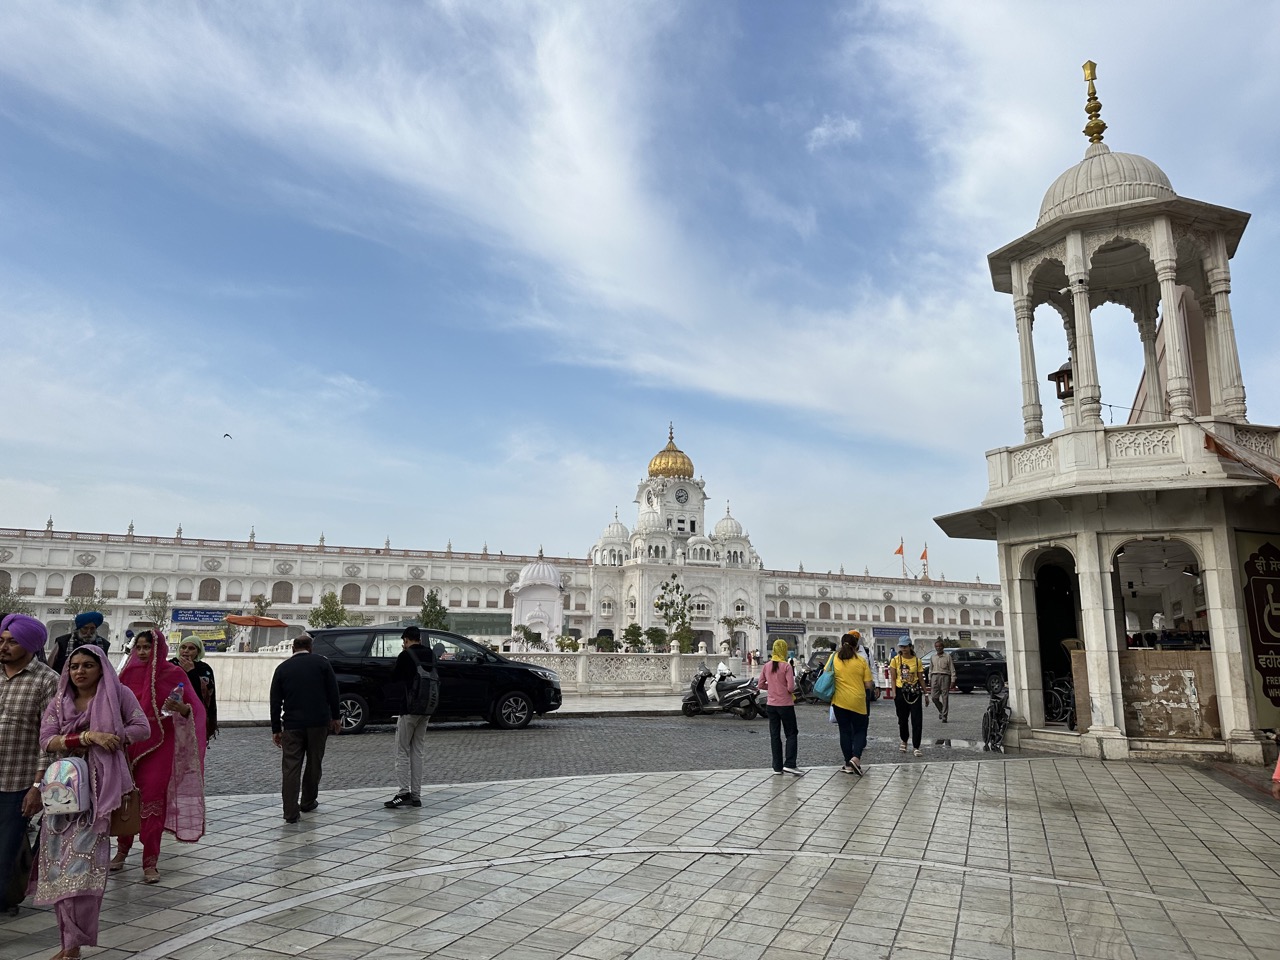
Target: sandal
(856, 767)
(919, 752)
(117, 862)
(902, 747)
(150, 875)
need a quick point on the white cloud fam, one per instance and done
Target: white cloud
(831, 132)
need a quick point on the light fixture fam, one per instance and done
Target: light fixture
(1190, 570)
(1120, 552)
(1061, 379)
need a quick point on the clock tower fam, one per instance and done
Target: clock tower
(672, 504)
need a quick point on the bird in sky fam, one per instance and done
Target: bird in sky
(227, 436)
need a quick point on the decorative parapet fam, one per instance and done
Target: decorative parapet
(1035, 458)
(1141, 442)
(1259, 440)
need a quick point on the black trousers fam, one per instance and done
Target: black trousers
(909, 711)
(295, 747)
(783, 720)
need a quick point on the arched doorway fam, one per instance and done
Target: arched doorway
(1057, 593)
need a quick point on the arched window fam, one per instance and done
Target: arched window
(307, 593)
(565, 601)
(631, 606)
(82, 585)
(739, 609)
(606, 608)
(491, 599)
(999, 618)
(350, 594)
(928, 615)
(890, 614)
(6, 581)
(508, 601)
(964, 618)
(185, 589)
(53, 585)
(235, 591)
(824, 611)
(784, 608)
(282, 592)
(455, 597)
(373, 597)
(111, 586)
(210, 589)
(473, 597)
(136, 588)
(258, 589)
(393, 596)
(27, 585)
(416, 596)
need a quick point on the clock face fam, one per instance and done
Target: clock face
(682, 495)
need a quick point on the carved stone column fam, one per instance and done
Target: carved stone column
(1032, 414)
(1209, 311)
(1175, 335)
(1233, 400)
(1084, 363)
(1151, 365)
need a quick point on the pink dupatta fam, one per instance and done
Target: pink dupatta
(171, 760)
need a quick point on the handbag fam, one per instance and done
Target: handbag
(65, 786)
(126, 819)
(825, 687)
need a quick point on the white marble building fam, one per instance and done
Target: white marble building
(613, 585)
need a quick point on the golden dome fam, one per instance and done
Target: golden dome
(671, 461)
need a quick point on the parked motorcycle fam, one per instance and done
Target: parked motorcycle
(739, 697)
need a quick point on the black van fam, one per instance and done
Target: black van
(475, 682)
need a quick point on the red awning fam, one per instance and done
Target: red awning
(251, 621)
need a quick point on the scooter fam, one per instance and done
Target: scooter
(740, 699)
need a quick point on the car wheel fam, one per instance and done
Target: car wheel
(354, 711)
(966, 689)
(689, 709)
(513, 711)
(995, 683)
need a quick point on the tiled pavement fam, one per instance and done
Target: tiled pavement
(1027, 859)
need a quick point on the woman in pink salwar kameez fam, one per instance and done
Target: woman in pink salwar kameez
(168, 766)
(93, 716)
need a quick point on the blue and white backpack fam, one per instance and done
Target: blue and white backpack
(65, 787)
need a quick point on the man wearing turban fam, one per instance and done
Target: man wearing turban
(26, 688)
(86, 631)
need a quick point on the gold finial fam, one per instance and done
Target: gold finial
(1094, 128)
(671, 430)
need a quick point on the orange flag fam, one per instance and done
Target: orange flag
(898, 552)
(925, 555)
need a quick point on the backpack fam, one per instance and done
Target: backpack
(65, 786)
(424, 689)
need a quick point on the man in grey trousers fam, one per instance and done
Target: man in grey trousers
(942, 673)
(411, 726)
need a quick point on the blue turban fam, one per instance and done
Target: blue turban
(28, 631)
(90, 616)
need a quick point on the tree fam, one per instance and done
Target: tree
(157, 607)
(656, 637)
(434, 614)
(605, 643)
(633, 638)
(330, 612)
(11, 602)
(531, 638)
(78, 605)
(567, 644)
(260, 605)
(733, 624)
(673, 606)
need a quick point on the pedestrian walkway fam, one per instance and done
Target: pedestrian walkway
(995, 860)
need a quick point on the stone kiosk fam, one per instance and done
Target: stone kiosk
(1151, 547)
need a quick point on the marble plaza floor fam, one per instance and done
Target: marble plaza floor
(1003, 858)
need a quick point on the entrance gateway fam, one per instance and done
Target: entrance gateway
(1140, 561)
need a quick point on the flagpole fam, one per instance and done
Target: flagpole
(902, 552)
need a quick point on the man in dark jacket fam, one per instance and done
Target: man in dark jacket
(411, 726)
(86, 631)
(304, 711)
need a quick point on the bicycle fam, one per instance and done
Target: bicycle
(996, 717)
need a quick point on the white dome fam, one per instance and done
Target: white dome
(616, 530)
(649, 522)
(538, 573)
(700, 541)
(1104, 179)
(727, 528)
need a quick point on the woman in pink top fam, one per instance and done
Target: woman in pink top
(778, 679)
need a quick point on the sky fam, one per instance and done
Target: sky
(445, 272)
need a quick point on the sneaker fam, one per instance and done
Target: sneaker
(919, 752)
(794, 771)
(777, 773)
(293, 819)
(309, 807)
(400, 800)
(415, 801)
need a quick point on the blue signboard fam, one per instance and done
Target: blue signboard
(198, 616)
(890, 632)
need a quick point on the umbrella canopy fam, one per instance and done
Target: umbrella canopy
(251, 621)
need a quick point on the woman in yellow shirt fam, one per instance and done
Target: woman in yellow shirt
(853, 685)
(906, 671)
